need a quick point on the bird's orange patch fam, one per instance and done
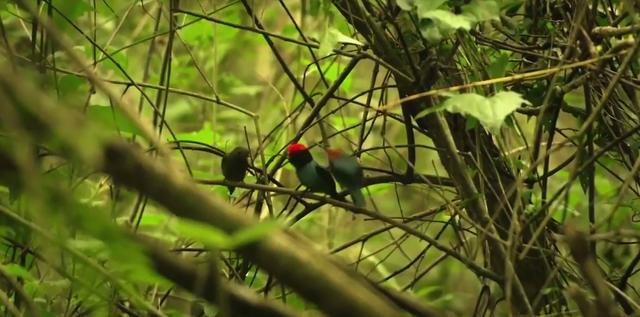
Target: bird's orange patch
(333, 154)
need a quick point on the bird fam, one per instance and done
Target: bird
(234, 166)
(310, 173)
(348, 174)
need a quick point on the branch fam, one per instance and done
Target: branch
(579, 246)
(241, 300)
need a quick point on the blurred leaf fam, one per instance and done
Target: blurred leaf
(482, 10)
(206, 175)
(314, 7)
(16, 270)
(203, 233)
(119, 59)
(444, 300)
(289, 30)
(152, 220)
(249, 90)
(6, 231)
(205, 135)
(426, 291)
(72, 10)
(46, 287)
(254, 233)
(198, 30)
(71, 84)
(428, 5)
(112, 118)
(448, 20)
(406, 4)
(87, 245)
(380, 188)
(343, 122)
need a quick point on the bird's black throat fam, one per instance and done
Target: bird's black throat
(300, 158)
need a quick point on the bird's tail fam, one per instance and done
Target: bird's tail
(231, 188)
(358, 197)
(337, 197)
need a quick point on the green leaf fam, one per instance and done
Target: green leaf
(471, 123)
(327, 43)
(429, 5)
(205, 135)
(254, 233)
(491, 112)
(71, 84)
(511, 6)
(482, 10)
(72, 10)
(435, 23)
(18, 271)
(314, 7)
(331, 37)
(448, 20)
(498, 68)
(430, 110)
(341, 38)
(112, 118)
(204, 233)
(406, 4)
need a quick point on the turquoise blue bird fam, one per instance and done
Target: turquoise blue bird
(348, 174)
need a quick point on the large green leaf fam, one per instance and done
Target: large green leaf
(491, 112)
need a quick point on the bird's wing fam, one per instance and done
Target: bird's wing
(341, 168)
(223, 164)
(326, 178)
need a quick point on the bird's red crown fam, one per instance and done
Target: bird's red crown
(296, 147)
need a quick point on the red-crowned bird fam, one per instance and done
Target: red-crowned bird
(310, 174)
(234, 166)
(349, 175)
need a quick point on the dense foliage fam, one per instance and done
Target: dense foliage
(497, 138)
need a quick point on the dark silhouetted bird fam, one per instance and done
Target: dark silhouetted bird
(234, 166)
